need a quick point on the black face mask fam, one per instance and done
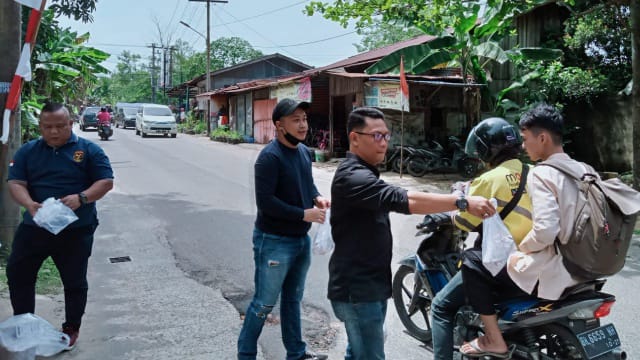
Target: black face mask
(291, 139)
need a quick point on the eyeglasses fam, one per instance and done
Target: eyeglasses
(377, 136)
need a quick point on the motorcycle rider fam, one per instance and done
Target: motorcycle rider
(536, 269)
(498, 144)
(104, 118)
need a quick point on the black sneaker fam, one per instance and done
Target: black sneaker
(310, 355)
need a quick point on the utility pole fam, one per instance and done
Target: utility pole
(164, 71)
(10, 41)
(153, 72)
(209, 57)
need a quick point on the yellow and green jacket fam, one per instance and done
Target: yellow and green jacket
(501, 183)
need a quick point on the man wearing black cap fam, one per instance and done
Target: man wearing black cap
(288, 202)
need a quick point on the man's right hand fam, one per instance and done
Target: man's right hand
(480, 207)
(314, 215)
(33, 208)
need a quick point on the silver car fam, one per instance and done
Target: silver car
(153, 119)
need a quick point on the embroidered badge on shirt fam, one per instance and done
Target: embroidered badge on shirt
(78, 156)
(11, 163)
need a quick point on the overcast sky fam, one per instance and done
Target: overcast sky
(270, 26)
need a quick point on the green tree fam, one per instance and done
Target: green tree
(63, 68)
(130, 82)
(635, 31)
(380, 34)
(229, 51)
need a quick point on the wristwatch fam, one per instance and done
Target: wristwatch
(83, 198)
(462, 203)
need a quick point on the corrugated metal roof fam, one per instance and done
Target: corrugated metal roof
(338, 69)
(377, 54)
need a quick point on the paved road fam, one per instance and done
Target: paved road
(183, 210)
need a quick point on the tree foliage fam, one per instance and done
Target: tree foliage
(64, 69)
(381, 33)
(77, 9)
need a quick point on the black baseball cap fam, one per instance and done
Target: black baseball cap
(286, 107)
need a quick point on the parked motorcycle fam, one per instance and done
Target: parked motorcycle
(568, 328)
(393, 158)
(437, 159)
(105, 131)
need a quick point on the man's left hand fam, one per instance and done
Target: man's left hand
(322, 203)
(72, 201)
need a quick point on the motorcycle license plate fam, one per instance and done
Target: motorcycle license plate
(599, 341)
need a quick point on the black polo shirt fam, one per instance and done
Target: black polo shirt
(360, 266)
(58, 172)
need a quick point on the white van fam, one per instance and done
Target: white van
(153, 119)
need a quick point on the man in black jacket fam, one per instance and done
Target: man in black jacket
(360, 266)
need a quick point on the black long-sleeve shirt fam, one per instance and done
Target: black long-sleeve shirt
(360, 266)
(284, 189)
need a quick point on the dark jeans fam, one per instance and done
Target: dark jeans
(485, 288)
(281, 268)
(70, 251)
(444, 307)
(364, 323)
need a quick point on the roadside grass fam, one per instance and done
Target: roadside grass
(636, 231)
(48, 283)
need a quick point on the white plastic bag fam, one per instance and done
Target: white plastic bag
(497, 243)
(322, 241)
(54, 216)
(22, 333)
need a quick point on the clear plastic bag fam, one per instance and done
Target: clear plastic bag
(497, 243)
(54, 216)
(21, 334)
(323, 241)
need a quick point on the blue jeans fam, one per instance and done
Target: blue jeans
(364, 323)
(281, 268)
(444, 307)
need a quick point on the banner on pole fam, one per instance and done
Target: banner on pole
(404, 87)
(35, 4)
(24, 65)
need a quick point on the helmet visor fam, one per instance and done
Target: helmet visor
(475, 147)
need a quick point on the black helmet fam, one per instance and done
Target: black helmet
(490, 137)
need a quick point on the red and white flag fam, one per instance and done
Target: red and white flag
(36, 4)
(404, 87)
(24, 65)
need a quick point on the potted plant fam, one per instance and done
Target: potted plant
(322, 154)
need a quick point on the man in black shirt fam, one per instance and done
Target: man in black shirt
(360, 266)
(285, 196)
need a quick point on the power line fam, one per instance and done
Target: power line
(263, 14)
(309, 42)
(257, 32)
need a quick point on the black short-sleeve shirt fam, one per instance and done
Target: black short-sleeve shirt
(57, 172)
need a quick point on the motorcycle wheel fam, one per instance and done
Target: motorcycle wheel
(558, 342)
(468, 168)
(395, 165)
(403, 289)
(417, 167)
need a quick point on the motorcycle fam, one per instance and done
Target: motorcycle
(534, 329)
(437, 159)
(105, 131)
(393, 158)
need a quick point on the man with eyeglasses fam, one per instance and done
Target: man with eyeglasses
(360, 266)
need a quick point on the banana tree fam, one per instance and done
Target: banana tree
(62, 65)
